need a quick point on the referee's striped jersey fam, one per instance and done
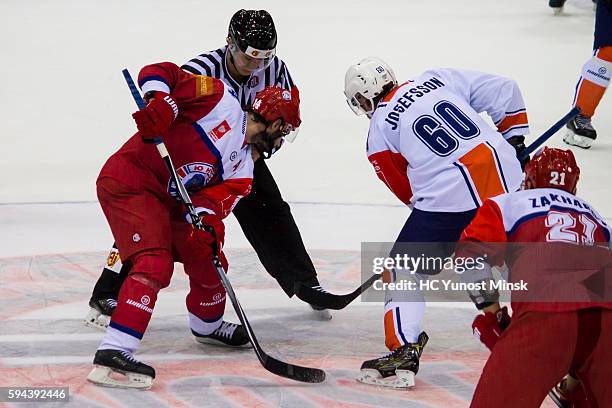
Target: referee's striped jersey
(214, 64)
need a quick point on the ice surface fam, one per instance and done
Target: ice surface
(65, 109)
(65, 106)
(43, 299)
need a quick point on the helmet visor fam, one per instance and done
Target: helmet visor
(290, 133)
(252, 60)
(360, 104)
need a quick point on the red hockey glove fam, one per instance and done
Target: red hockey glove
(489, 326)
(202, 239)
(156, 117)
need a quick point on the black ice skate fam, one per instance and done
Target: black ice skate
(556, 5)
(580, 132)
(228, 334)
(100, 312)
(138, 375)
(397, 369)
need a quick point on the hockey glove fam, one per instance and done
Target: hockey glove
(157, 117)
(489, 326)
(201, 239)
(518, 142)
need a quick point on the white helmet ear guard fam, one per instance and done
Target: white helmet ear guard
(367, 79)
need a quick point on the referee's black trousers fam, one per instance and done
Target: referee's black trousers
(266, 220)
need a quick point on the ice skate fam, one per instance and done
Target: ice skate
(100, 313)
(557, 6)
(580, 132)
(136, 374)
(397, 369)
(228, 334)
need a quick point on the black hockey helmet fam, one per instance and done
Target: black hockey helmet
(254, 29)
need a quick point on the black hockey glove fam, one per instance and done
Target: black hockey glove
(518, 142)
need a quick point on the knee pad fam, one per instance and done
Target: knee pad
(153, 268)
(599, 68)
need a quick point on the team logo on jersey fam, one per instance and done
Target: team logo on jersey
(194, 176)
(112, 259)
(219, 131)
(253, 82)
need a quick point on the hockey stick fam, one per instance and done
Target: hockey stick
(322, 298)
(293, 372)
(546, 135)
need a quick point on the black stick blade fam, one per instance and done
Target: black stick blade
(331, 300)
(293, 372)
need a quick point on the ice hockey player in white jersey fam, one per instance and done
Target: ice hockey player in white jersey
(429, 145)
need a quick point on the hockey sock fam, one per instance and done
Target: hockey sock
(131, 318)
(403, 323)
(404, 310)
(206, 306)
(594, 81)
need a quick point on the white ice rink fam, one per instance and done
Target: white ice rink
(64, 108)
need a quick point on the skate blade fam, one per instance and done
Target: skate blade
(212, 342)
(100, 375)
(576, 140)
(557, 11)
(402, 380)
(96, 320)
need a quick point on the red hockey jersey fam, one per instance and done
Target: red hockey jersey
(206, 143)
(553, 240)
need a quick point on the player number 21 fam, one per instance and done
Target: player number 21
(563, 228)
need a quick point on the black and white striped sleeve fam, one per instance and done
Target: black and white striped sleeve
(208, 64)
(283, 78)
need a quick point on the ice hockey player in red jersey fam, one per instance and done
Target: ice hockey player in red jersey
(246, 64)
(213, 143)
(559, 325)
(432, 149)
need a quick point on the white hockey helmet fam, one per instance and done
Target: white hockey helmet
(364, 82)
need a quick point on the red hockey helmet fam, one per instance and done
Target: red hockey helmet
(278, 103)
(552, 168)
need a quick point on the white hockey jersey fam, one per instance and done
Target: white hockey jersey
(429, 145)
